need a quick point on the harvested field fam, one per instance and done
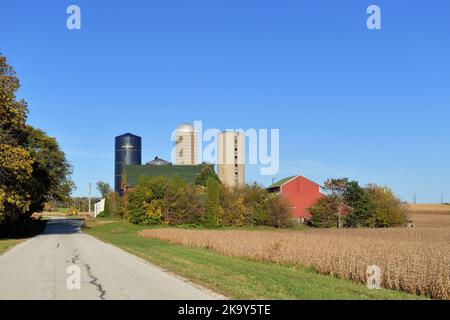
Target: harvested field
(431, 220)
(429, 208)
(414, 260)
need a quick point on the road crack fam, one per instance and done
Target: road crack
(94, 282)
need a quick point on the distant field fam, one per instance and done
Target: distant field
(437, 220)
(429, 208)
(414, 260)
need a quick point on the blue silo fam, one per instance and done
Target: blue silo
(127, 151)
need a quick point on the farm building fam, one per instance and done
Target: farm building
(301, 192)
(159, 168)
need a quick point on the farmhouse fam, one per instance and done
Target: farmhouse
(301, 192)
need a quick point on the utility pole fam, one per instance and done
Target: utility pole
(442, 198)
(415, 198)
(89, 196)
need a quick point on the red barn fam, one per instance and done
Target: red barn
(301, 192)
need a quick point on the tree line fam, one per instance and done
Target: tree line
(347, 204)
(173, 201)
(33, 169)
(207, 202)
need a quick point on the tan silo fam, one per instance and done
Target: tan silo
(231, 158)
(185, 145)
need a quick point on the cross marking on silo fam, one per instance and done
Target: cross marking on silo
(127, 146)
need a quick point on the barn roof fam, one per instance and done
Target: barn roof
(286, 180)
(185, 172)
(281, 182)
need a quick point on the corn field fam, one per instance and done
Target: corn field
(414, 260)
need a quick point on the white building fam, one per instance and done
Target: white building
(99, 207)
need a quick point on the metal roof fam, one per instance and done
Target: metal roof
(186, 172)
(159, 162)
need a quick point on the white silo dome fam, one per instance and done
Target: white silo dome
(185, 127)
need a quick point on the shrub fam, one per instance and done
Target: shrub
(206, 172)
(170, 201)
(279, 212)
(153, 212)
(324, 213)
(234, 213)
(256, 200)
(114, 206)
(212, 204)
(388, 210)
(370, 206)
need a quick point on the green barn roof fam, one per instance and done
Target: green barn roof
(281, 182)
(186, 172)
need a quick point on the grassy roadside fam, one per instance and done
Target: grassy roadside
(232, 277)
(6, 244)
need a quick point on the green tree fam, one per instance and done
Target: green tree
(206, 172)
(351, 194)
(15, 160)
(50, 178)
(337, 187)
(388, 210)
(212, 202)
(153, 212)
(358, 200)
(233, 210)
(174, 198)
(104, 188)
(256, 200)
(114, 206)
(33, 170)
(324, 213)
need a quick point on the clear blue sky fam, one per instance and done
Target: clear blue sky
(371, 105)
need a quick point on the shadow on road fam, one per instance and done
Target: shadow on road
(63, 226)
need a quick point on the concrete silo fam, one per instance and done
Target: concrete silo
(186, 145)
(231, 158)
(127, 151)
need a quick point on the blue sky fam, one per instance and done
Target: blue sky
(370, 105)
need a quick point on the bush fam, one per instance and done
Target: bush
(256, 200)
(370, 206)
(324, 213)
(234, 211)
(388, 210)
(361, 214)
(212, 204)
(103, 214)
(163, 200)
(173, 201)
(279, 212)
(114, 206)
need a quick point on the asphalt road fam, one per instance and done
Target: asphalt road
(41, 267)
